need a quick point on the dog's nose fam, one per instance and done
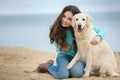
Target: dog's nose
(79, 26)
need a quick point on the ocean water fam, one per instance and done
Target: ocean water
(32, 31)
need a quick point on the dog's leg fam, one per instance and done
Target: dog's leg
(74, 60)
(108, 69)
(88, 65)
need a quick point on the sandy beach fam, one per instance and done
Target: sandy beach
(19, 63)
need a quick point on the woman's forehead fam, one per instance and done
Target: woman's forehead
(68, 14)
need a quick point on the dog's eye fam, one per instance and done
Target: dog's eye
(83, 19)
(76, 19)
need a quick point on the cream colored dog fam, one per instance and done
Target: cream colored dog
(97, 57)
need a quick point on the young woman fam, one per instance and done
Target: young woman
(62, 35)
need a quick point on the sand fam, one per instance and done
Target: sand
(19, 63)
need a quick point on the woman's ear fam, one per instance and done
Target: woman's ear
(73, 22)
(88, 20)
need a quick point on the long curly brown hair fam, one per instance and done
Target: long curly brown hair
(57, 32)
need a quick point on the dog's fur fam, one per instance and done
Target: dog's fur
(97, 57)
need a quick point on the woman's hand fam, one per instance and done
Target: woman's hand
(96, 40)
(66, 48)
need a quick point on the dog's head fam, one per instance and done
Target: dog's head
(81, 22)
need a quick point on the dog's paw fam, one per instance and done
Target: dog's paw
(86, 75)
(115, 74)
(85, 69)
(69, 66)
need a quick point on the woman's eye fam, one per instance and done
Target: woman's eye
(70, 19)
(83, 19)
(76, 19)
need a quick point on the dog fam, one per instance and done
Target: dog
(98, 57)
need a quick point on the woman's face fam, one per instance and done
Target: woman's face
(67, 18)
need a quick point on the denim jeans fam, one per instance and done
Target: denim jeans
(60, 70)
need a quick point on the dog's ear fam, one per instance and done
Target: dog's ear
(73, 21)
(88, 21)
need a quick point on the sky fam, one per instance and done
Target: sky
(11, 7)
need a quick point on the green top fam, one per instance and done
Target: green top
(70, 40)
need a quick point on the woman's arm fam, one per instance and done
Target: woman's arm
(99, 37)
(100, 33)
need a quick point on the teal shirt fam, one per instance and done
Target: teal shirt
(70, 40)
(99, 32)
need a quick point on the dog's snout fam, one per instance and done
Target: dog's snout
(79, 25)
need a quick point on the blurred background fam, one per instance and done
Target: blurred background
(26, 23)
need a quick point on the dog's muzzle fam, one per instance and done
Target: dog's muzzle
(80, 28)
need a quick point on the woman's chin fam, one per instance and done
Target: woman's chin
(65, 26)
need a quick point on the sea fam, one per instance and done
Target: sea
(32, 31)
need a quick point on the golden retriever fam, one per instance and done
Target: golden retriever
(98, 57)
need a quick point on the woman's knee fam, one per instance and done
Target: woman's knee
(76, 73)
(62, 75)
(78, 69)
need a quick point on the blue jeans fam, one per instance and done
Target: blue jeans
(60, 71)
